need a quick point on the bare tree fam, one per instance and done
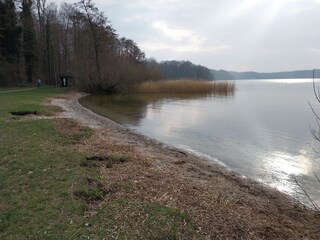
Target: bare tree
(316, 135)
(78, 38)
(99, 27)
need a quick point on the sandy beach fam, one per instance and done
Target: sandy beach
(222, 203)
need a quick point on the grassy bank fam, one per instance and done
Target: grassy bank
(186, 86)
(50, 190)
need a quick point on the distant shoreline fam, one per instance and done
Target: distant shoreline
(233, 75)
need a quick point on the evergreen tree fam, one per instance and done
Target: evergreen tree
(10, 43)
(10, 32)
(29, 39)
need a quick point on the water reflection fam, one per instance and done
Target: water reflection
(124, 109)
(285, 167)
(261, 132)
(129, 109)
(289, 81)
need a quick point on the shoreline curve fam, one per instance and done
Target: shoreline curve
(212, 194)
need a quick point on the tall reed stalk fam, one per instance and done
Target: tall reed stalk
(186, 86)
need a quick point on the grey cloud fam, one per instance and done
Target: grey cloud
(259, 35)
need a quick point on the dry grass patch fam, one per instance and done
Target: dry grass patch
(217, 209)
(65, 125)
(223, 207)
(186, 86)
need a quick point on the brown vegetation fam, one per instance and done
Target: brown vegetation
(222, 204)
(186, 86)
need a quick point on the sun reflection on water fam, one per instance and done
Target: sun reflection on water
(285, 167)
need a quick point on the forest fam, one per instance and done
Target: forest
(184, 69)
(41, 40)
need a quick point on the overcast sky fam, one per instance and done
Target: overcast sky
(240, 35)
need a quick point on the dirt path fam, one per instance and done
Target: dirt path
(18, 90)
(223, 204)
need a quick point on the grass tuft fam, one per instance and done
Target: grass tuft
(107, 161)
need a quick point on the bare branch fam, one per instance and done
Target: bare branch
(314, 133)
(307, 195)
(317, 177)
(317, 95)
(316, 151)
(314, 112)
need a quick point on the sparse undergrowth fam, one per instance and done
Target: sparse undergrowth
(47, 193)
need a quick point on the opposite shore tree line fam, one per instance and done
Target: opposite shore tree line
(42, 40)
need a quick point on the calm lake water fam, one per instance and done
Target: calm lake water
(262, 131)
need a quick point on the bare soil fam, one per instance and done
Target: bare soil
(223, 204)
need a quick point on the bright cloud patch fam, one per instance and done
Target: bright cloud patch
(179, 39)
(175, 33)
(317, 50)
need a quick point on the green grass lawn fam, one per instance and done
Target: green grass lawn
(40, 174)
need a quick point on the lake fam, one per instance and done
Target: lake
(262, 131)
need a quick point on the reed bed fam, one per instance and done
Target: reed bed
(186, 86)
(223, 88)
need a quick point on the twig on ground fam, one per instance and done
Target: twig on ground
(74, 234)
